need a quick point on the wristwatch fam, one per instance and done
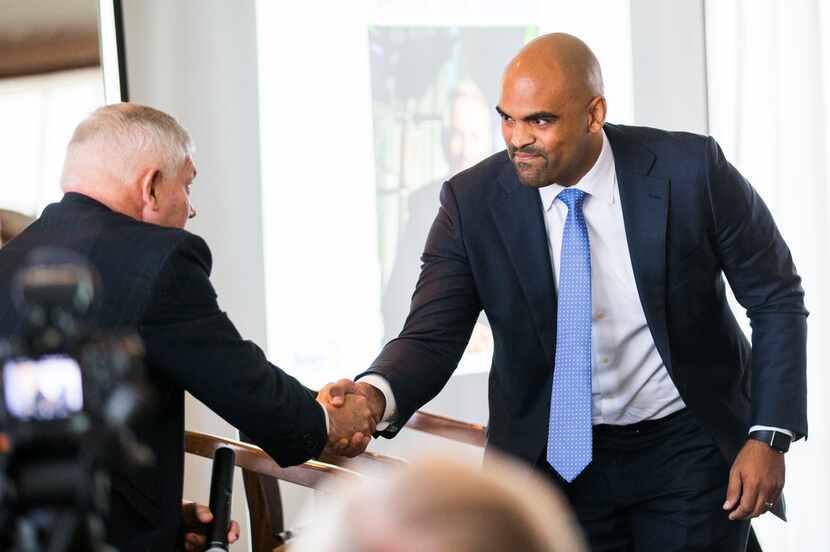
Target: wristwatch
(779, 442)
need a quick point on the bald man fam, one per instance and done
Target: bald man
(598, 253)
(127, 178)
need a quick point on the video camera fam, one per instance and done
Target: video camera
(68, 397)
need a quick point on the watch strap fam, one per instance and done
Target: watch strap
(775, 439)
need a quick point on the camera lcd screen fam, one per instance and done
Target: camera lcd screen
(47, 388)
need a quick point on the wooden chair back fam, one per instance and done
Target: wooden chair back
(261, 474)
(449, 428)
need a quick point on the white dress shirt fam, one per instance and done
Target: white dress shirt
(630, 383)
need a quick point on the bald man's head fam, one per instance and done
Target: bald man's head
(134, 159)
(552, 109)
(564, 55)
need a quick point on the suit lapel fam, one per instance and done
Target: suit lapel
(645, 206)
(518, 216)
(517, 212)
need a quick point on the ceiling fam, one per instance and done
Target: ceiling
(42, 36)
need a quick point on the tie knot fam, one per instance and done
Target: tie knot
(572, 197)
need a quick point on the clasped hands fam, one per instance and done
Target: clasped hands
(354, 410)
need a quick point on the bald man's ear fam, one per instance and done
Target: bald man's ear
(149, 183)
(596, 114)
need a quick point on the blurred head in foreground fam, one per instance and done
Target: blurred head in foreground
(441, 505)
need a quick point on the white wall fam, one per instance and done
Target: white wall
(196, 59)
(669, 56)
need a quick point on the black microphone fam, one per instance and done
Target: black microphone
(221, 488)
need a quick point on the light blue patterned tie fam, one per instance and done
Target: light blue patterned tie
(569, 430)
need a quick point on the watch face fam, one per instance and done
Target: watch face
(780, 442)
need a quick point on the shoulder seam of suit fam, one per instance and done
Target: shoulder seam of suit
(457, 209)
(709, 146)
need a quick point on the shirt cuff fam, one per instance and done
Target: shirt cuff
(770, 428)
(382, 385)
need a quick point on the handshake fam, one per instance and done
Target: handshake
(354, 410)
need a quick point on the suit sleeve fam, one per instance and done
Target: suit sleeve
(195, 346)
(760, 270)
(444, 308)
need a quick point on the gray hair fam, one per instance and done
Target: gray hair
(446, 505)
(132, 129)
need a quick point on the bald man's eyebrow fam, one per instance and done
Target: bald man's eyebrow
(541, 116)
(536, 116)
(502, 113)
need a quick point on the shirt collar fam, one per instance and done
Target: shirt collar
(597, 182)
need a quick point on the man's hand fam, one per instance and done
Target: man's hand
(755, 481)
(195, 518)
(377, 402)
(351, 421)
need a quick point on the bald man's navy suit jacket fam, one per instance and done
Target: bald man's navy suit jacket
(691, 219)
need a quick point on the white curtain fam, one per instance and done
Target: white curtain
(769, 107)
